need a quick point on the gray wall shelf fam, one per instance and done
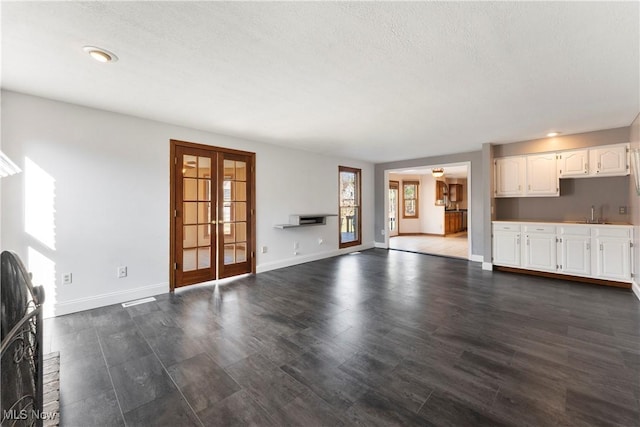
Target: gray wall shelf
(304, 220)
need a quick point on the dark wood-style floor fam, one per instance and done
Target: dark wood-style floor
(380, 338)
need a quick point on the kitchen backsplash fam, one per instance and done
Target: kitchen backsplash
(574, 204)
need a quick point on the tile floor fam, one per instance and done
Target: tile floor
(455, 245)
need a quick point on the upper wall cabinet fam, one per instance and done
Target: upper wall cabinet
(609, 160)
(573, 164)
(510, 176)
(542, 178)
(526, 176)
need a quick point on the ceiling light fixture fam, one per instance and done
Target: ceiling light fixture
(552, 134)
(100, 54)
(437, 172)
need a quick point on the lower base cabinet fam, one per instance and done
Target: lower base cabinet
(575, 254)
(452, 222)
(595, 251)
(540, 248)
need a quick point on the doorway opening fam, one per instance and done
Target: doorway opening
(212, 213)
(428, 209)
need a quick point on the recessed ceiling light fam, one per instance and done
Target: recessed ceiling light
(552, 134)
(100, 54)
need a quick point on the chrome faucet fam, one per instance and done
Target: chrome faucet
(593, 214)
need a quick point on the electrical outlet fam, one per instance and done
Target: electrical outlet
(622, 210)
(67, 278)
(296, 245)
(263, 249)
(122, 272)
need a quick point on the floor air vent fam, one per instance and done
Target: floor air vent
(138, 301)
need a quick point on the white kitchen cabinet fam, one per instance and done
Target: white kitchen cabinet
(587, 250)
(612, 160)
(573, 164)
(542, 175)
(506, 245)
(612, 247)
(540, 248)
(575, 250)
(510, 175)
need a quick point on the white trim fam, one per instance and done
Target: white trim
(301, 259)
(87, 303)
(381, 245)
(487, 266)
(477, 258)
(635, 288)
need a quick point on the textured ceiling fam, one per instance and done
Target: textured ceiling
(378, 81)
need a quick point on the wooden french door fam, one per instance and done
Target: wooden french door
(212, 215)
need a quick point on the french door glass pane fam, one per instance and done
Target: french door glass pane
(229, 254)
(189, 167)
(189, 260)
(190, 213)
(204, 258)
(190, 189)
(204, 167)
(229, 233)
(240, 210)
(204, 213)
(241, 252)
(241, 191)
(190, 236)
(204, 235)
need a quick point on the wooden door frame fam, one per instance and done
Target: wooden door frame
(173, 144)
(358, 173)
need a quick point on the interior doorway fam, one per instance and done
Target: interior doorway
(433, 210)
(212, 213)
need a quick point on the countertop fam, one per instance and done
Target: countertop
(564, 223)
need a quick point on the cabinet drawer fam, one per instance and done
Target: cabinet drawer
(575, 231)
(506, 227)
(540, 228)
(611, 232)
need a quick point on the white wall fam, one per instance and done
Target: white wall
(432, 216)
(104, 202)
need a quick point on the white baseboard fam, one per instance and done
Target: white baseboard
(301, 259)
(87, 303)
(487, 266)
(476, 258)
(380, 245)
(635, 288)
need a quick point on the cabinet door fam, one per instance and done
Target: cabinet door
(573, 163)
(613, 258)
(610, 161)
(455, 192)
(540, 252)
(506, 248)
(575, 255)
(510, 176)
(542, 175)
